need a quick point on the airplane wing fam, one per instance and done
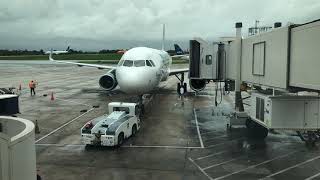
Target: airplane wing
(81, 64)
(181, 56)
(178, 71)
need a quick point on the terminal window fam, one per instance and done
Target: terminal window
(208, 59)
(258, 59)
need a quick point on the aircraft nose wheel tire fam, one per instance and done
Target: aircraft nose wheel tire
(181, 88)
(178, 88)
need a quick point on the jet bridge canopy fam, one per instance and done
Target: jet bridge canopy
(305, 56)
(284, 58)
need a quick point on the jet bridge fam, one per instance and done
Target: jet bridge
(207, 62)
(275, 65)
(286, 58)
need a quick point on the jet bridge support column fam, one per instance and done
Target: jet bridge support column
(238, 98)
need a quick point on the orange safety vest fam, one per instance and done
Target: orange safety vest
(31, 84)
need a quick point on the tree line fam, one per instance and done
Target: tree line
(6, 52)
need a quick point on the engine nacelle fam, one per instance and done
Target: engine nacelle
(197, 84)
(108, 81)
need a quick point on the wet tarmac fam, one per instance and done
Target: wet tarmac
(180, 138)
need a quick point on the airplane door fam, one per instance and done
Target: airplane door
(311, 114)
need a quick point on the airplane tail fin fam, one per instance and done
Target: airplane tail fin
(163, 35)
(178, 50)
(68, 48)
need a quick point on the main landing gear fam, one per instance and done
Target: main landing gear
(182, 86)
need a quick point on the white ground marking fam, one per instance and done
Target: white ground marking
(253, 166)
(209, 132)
(202, 95)
(210, 155)
(62, 145)
(209, 177)
(291, 167)
(133, 146)
(198, 130)
(169, 147)
(217, 137)
(214, 145)
(312, 177)
(75, 102)
(62, 126)
(225, 162)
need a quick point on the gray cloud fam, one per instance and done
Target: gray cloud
(97, 24)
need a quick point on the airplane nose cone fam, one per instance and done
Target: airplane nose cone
(134, 81)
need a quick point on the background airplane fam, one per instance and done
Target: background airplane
(180, 53)
(58, 52)
(178, 50)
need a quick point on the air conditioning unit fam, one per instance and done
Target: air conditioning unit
(289, 112)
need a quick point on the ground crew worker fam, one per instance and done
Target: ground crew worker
(32, 86)
(38, 176)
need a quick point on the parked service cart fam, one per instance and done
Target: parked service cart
(111, 130)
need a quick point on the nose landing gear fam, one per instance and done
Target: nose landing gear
(182, 86)
(141, 106)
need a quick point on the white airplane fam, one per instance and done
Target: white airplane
(58, 52)
(139, 71)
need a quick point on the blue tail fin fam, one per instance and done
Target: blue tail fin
(178, 50)
(68, 48)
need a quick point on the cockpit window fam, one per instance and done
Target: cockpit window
(139, 63)
(120, 62)
(128, 63)
(148, 63)
(152, 63)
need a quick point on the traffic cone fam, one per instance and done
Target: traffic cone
(37, 129)
(52, 97)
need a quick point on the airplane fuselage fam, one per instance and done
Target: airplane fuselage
(141, 69)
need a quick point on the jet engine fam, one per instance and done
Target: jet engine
(197, 84)
(108, 81)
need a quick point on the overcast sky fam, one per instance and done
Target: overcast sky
(109, 24)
